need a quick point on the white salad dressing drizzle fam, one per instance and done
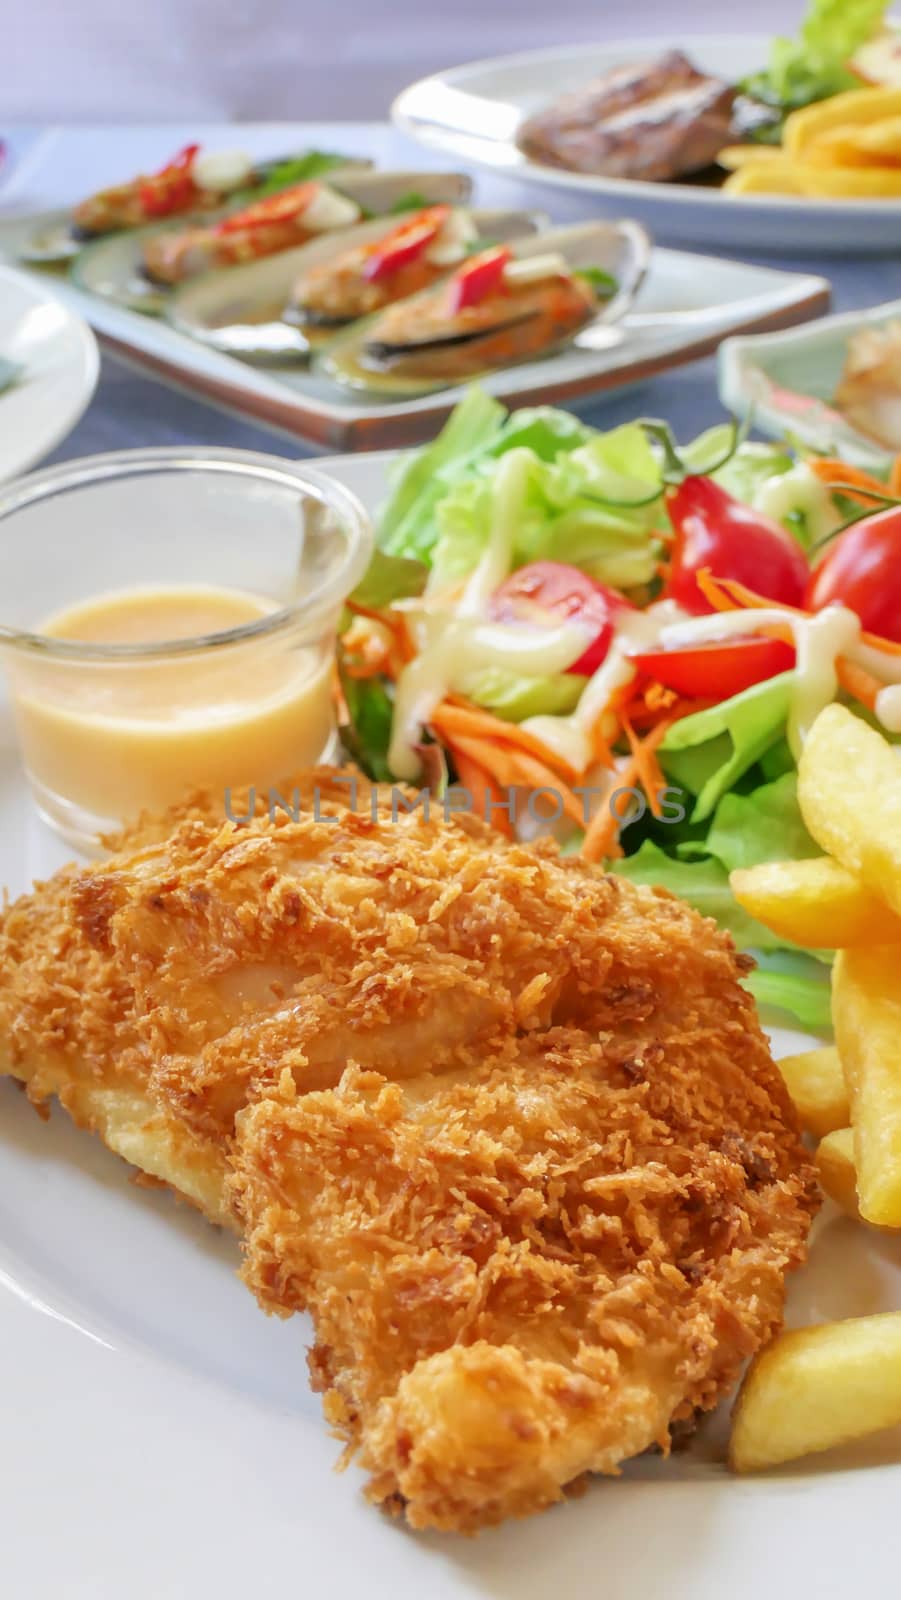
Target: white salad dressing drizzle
(570, 737)
(819, 640)
(888, 708)
(511, 481)
(457, 646)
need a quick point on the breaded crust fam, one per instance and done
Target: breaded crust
(506, 1125)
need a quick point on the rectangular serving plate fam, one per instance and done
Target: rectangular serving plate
(687, 305)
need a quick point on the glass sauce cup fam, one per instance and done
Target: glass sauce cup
(110, 729)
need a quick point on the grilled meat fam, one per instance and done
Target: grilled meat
(651, 120)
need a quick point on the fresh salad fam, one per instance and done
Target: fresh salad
(625, 640)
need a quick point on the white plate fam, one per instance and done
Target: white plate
(686, 306)
(58, 356)
(473, 112)
(786, 381)
(159, 1438)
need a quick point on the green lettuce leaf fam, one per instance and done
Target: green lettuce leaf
(440, 509)
(815, 65)
(567, 515)
(702, 884)
(709, 752)
(807, 994)
(515, 698)
(367, 734)
(406, 522)
(765, 825)
(390, 578)
(787, 979)
(751, 466)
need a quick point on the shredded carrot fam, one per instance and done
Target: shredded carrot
(836, 474)
(857, 681)
(487, 796)
(453, 719)
(601, 842)
(725, 594)
(601, 837)
(532, 774)
(647, 767)
(394, 622)
(601, 753)
(512, 768)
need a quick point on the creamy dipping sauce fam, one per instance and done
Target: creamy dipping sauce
(116, 737)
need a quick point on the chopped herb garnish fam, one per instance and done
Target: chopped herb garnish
(603, 283)
(278, 175)
(413, 200)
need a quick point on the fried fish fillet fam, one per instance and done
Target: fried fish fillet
(531, 1270)
(506, 1125)
(159, 992)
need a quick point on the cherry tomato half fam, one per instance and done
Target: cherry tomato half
(718, 670)
(714, 530)
(552, 591)
(862, 570)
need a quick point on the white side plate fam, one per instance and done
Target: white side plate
(57, 355)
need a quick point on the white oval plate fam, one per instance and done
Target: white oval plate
(785, 382)
(57, 354)
(473, 112)
(160, 1439)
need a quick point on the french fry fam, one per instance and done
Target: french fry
(849, 791)
(736, 156)
(818, 903)
(763, 177)
(816, 1083)
(866, 1010)
(836, 1170)
(849, 183)
(838, 1174)
(875, 144)
(816, 182)
(857, 106)
(818, 1387)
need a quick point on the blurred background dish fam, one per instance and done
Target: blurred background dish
(501, 113)
(805, 383)
(50, 359)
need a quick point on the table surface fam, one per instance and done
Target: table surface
(130, 410)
